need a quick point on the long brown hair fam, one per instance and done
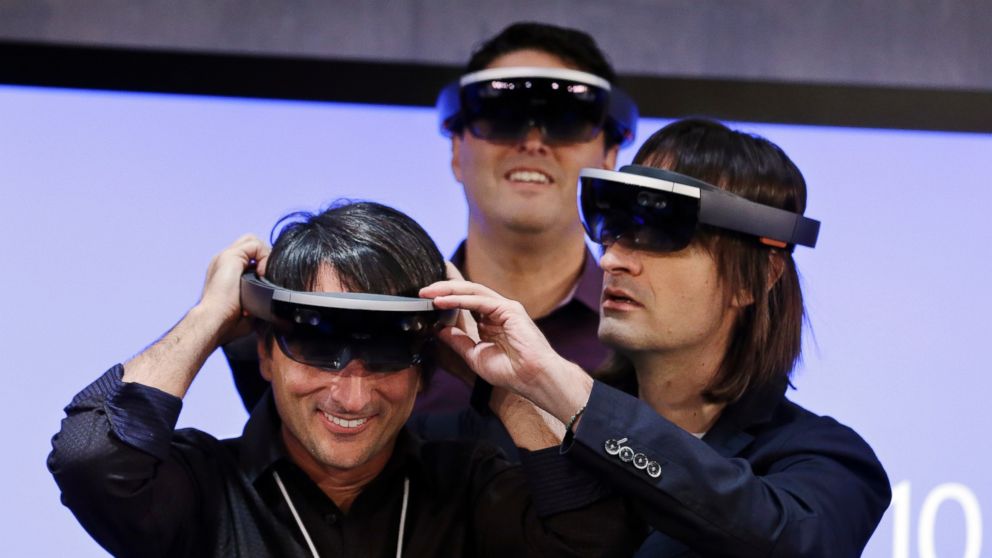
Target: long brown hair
(766, 342)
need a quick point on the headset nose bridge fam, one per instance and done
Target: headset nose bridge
(534, 137)
(352, 388)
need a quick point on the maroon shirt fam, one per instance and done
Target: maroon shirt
(570, 328)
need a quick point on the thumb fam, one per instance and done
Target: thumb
(459, 341)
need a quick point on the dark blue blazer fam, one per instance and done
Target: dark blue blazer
(769, 479)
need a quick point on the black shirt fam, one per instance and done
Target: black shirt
(141, 488)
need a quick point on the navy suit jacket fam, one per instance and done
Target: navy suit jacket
(769, 479)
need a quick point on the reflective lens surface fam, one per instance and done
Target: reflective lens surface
(506, 109)
(638, 217)
(330, 338)
(378, 353)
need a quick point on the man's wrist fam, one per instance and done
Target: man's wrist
(530, 427)
(171, 363)
(564, 390)
(207, 323)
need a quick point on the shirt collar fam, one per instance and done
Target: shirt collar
(458, 258)
(588, 289)
(756, 406)
(261, 442)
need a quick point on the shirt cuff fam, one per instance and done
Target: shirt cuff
(140, 416)
(612, 413)
(557, 484)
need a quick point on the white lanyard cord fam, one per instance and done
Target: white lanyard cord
(406, 498)
(296, 516)
(306, 535)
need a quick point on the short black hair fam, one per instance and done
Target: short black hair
(372, 248)
(574, 47)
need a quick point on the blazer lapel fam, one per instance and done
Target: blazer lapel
(730, 435)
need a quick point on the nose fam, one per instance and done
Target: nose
(618, 258)
(352, 388)
(533, 142)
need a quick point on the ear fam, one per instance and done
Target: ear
(776, 266)
(456, 157)
(610, 158)
(264, 359)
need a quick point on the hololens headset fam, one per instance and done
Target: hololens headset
(567, 106)
(658, 210)
(329, 330)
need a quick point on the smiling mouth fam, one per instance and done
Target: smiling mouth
(345, 423)
(528, 177)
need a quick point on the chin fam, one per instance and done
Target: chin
(529, 223)
(617, 336)
(525, 228)
(343, 462)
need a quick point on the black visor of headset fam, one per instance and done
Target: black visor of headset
(658, 210)
(329, 330)
(566, 106)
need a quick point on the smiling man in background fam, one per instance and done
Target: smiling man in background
(536, 104)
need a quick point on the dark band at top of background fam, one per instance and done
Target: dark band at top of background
(390, 83)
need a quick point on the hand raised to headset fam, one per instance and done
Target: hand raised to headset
(511, 351)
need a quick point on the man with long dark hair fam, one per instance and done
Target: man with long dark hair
(702, 303)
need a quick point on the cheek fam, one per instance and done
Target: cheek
(686, 290)
(707, 302)
(474, 156)
(587, 155)
(296, 380)
(400, 388)
(296, 384)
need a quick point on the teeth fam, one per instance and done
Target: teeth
(529, 176)
(345, 422)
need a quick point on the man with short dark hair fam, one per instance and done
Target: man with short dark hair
(325, 466)
(518, 155)
(703, 306)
